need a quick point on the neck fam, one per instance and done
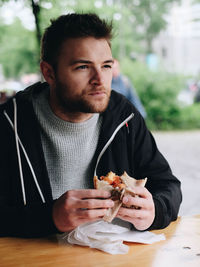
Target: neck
(75, 117)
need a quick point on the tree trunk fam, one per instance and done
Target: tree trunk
(36, 12)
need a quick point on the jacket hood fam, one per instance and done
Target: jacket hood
(117, 103)
(116, 116)
(19, 116)
(118, 108)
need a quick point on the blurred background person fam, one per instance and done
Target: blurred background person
(122, 84)
(197, 95)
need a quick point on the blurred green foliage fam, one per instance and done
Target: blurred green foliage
(18, 53)
(136, 24)
(158, 92)
(190, 117)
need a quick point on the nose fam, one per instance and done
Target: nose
(97, 77)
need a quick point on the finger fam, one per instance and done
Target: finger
(141, 191)
(92, 204)
(138, 223)
(86, 220)
(91, 214)
(136, 201)
(132, 213)
(88, 193)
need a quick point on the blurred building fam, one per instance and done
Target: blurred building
(178, 46)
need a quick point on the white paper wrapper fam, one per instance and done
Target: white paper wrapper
(107, 237)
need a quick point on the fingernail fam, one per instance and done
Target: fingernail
(112, 203)
(125, 199)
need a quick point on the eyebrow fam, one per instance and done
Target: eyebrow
(79, 61)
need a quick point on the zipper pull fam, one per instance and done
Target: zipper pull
(127, 127)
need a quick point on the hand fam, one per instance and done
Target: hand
(143, 216)
(76, 207)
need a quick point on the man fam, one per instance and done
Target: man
(122, 84)
(56, 135)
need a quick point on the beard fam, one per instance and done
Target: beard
(83, 103)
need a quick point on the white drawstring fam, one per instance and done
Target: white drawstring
(18, 152)
(111, 139)
(18, 141)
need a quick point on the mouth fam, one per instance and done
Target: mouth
(98, 93)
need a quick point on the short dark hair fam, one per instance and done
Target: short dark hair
(72, 26)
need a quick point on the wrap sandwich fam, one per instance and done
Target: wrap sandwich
(118, 186)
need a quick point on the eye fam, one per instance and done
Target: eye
(82, 67)
(107, 66)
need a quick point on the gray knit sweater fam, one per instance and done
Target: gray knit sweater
(69, 148)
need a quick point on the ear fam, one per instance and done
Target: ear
(48, 72)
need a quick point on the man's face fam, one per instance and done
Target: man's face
(82, 82)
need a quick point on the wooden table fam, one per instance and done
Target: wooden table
(180, 249)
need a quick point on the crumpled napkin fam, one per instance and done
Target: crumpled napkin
(107, 237)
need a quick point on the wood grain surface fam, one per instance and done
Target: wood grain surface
(181, 248)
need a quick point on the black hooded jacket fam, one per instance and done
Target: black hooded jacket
(125, 144)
